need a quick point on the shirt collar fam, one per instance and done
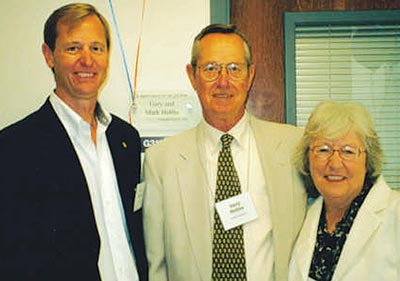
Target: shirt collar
(212, 136)
(72, 120)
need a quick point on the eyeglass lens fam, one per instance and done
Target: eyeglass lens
(345, 152)
(212, 71)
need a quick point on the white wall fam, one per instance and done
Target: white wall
(168, 30)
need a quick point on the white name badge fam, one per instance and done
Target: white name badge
(138, 202)
(236, 210)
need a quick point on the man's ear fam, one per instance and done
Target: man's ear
(48, 55)
(252, 72)
(190, 74)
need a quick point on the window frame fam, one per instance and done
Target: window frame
(295, 19)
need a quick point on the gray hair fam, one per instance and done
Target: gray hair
(224, 29)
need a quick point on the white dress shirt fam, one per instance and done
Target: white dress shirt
(257, 233)
(116, 258)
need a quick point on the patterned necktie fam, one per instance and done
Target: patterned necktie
(229, 261)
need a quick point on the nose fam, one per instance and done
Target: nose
(86, 57)
(223, 79)
(335, 161)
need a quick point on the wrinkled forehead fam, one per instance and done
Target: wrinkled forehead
(221, 48)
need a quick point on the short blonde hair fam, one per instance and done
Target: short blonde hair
(331, 120)
(72, 14)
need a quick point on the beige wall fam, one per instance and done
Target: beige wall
(168, 31)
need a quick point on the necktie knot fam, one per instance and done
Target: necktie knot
(226, 140)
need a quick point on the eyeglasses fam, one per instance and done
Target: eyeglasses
(324, 152)
(212, 71)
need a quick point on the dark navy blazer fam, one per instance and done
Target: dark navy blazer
(48, 230)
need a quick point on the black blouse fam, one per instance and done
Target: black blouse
(329, 245)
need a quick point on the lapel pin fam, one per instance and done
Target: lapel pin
(124, 145)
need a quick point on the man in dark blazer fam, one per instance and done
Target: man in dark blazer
(69, 170)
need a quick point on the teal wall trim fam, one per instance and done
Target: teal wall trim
(220, 11)
(289, 70)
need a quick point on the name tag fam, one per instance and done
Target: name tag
(235, 211)
(139, 192)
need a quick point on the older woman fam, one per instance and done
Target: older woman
(352, 230)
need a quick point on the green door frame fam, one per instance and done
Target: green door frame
(220, 11)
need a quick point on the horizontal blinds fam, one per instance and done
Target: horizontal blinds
(353, 62)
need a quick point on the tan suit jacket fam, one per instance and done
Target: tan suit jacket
(178, 230)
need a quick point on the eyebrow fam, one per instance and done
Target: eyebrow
(332, 145)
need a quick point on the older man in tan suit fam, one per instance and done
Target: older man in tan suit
(206, 223)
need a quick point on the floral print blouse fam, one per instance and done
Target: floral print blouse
(328, 246)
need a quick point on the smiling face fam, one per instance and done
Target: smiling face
(223, 99)
(80, 60)
(338, 181)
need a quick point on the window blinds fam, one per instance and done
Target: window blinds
(353, 62)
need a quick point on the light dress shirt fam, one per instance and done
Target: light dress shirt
(257, 234)
(116, 258)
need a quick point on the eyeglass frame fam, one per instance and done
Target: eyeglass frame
(221, 66)
(341, 151)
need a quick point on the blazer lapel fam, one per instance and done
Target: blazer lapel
(57, 143)
(367, 221)
(125, 153)
(126, 172)
(287, 198)
(273, 176)
(306, 241)
(275, 163)
(193, 185)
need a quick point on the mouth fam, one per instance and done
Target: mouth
(85, 74)
(334, 178)
(222, 96)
